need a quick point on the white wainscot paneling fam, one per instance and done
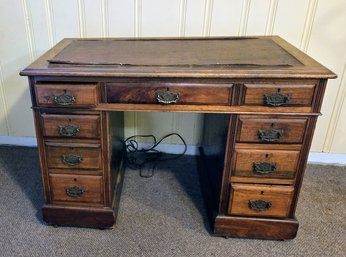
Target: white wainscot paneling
(40, 26)
(91, 20)
(4, 130)
(159, 18)
(226, 17)
(194, 17)
(16, 53)
(337, 130)
(257, 19)
(121, 18)
(65, 19)
(290, 20)
(327, 45)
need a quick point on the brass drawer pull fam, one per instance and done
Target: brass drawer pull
(264, 167)
(69, 130)
(270, 136)
(276, 99)
(75, 191)
(167, 97)
(71, 160)
(64, 99)
(259, 205)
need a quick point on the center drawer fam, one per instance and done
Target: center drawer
(73, 155)
(168, 93)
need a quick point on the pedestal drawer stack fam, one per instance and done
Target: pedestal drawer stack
(268, 151)
(71, 136)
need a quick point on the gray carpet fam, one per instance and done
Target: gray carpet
(162, 216)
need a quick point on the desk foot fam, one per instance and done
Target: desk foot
(79, 217)
(260, 228)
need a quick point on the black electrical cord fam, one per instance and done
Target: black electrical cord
(139, 158)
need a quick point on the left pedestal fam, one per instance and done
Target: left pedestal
(80, 154)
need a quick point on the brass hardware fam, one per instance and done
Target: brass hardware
(75, 191)
(64, 99)
(270, 136)
(276, 99)
(259, 205)
(69, 130)
(264, 167)
(71, 160)
(167, 97)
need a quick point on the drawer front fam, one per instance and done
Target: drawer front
(74, 126)
(261, 201)
(138, 93)
(76, 188)
(278, 95)
(66, 95)
(73, 156)
(265, 163)
(267, 129)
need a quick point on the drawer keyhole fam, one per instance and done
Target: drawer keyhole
(262, 192)
(74, 179)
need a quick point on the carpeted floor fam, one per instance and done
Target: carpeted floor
(162, 216)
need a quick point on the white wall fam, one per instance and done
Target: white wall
(30, 27)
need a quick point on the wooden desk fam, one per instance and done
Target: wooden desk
(261, 97)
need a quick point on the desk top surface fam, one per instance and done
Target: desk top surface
(232, 57)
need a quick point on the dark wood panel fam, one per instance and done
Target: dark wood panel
(212, 163)
(90, 155)
(76, 188)
(83, 126)
(292, 128)
(272, 201)
(146, 93)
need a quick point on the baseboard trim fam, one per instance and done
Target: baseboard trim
(314, 157)
(20, 141)
(327, 158)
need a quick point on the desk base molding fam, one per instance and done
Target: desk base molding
(256, 227)
(81, 217)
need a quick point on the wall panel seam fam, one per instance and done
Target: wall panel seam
(137, 33)
(336, 113)
(105, 18)
(182, 18)
(81, 18)
(244, 18)
(208, 12)
(29, 29)
(309, 22)
(138, 18)
(50, 23)
(271, 17)
(3, 101)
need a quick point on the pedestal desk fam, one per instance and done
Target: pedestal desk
(261, 98)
